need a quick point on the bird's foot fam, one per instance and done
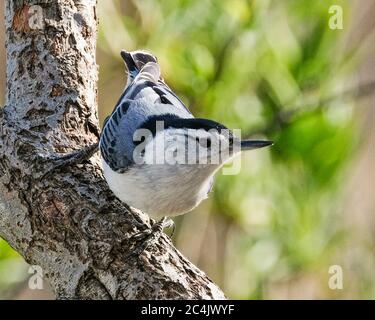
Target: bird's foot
(69, 159)
(166, 223)
(151, 235)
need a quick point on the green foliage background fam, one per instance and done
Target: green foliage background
(273, 69)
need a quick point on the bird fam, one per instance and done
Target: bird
(185, 176)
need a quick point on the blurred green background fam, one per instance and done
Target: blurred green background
(273, 69)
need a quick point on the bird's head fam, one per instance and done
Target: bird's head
(191, 141)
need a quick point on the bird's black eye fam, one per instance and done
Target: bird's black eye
(164, 100)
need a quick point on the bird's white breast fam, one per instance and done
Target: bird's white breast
(161, 190)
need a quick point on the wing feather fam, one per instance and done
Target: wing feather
(146, 96)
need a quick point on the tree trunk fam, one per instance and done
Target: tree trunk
(69, 222)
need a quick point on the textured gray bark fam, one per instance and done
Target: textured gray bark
(69, 223)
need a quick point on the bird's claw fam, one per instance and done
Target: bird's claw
(168, 223)
(151, 235)
(72, 158)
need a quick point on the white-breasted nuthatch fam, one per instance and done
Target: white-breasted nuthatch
(164, 188)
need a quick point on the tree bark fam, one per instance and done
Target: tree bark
(69, 222)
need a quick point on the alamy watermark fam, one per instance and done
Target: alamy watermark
(36, 279)
(336, 280)
(336, 19)
(35, 17)
(188, 147)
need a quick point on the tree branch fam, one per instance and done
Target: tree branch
(70, 223)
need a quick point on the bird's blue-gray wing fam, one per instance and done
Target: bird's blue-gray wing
(145, 97)
(118, 159)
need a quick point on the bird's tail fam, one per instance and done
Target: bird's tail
(135, 61)
(150, 72)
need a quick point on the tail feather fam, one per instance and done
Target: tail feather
(130, 64)
(135, 61)
(150, 72)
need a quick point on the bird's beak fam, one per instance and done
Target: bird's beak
(254, 144)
